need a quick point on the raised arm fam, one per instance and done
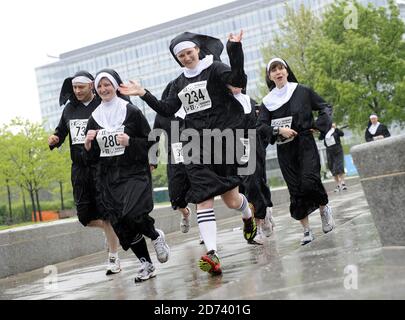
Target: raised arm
(237, 76)
(166, 107)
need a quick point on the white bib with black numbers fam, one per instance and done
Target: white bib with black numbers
(177, 150)
(246, 150)
(282, 123)
(107, 141)
(330, 141)
(77, 129)
(195, 97)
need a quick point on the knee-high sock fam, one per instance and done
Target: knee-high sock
(244, 208)
(138, 246)
(208, 228)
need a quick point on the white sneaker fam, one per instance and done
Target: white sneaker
(185, 222)
(308, 237)
(113, 266)
(161, 247)
(269, 224)
(146, 271)
(337, 189)
(327, 219)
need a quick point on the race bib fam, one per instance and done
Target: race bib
(330, 141)
(195, 97)
(77, 129)
(246, 150)
(177, 151)
(282, 123)
(107, 141)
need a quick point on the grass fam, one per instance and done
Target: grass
(27, 223)
(5, 227)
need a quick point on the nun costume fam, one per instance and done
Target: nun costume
(201, 91)
(178, 183)
(376, 130)
(73, 122)
(291, 106)
(123, 176)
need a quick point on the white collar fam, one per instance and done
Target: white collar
(373, 128)
(111, 115)
(330, 132)
(201, 66)
(277, 97)
(244, 100)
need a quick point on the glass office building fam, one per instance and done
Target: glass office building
(138, 55)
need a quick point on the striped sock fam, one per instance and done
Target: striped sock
(244, 208)
(208, 228)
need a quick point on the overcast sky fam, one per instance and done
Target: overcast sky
(31, 31)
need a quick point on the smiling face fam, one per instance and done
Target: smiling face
(278, 73)
(189, 57)
(374, 119)
(106, 90)
(83, 91)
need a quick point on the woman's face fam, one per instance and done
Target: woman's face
(279, 75)
(106, 90)
(189, 57)
(374, 120)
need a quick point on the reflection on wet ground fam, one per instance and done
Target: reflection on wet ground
(348, 263)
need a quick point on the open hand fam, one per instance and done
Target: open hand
(133, 88)
(235, 37)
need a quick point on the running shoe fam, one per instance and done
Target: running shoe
(210, 263)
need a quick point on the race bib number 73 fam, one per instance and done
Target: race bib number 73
(77, 129)
(107, 141)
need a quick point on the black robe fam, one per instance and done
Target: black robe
(124, 182)
(73, 123)
(254, 186)
(299, 159)
(334, 153)
(382, 130)
(209, 180)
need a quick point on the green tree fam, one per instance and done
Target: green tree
(298, 31)
(358, 64)
(28, 157)
(159, 176)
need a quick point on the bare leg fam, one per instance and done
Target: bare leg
(305, 222)
(232, 198)
(112, 238)
(96, 223)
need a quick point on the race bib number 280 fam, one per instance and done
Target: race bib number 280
(195, 97)
(107, 141)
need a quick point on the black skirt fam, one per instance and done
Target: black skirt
(335, 159)
(126, 199)
(300, 165)
(178, 184)
(85, 193)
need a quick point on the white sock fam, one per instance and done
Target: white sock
(113, 255)
(208, 228)
(244, 208)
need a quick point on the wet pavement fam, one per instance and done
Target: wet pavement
(347, 263)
